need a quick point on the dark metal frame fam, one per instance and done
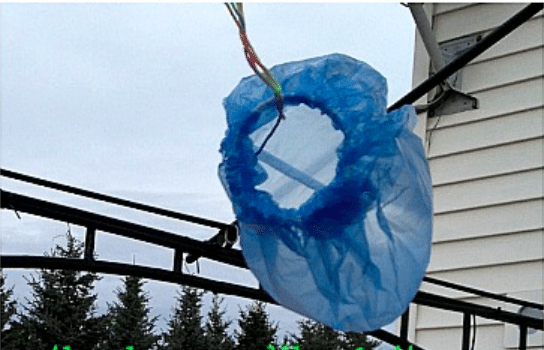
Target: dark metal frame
(184, 245)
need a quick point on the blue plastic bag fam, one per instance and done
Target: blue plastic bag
(336, 213)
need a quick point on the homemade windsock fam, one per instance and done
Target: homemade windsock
(335, 212)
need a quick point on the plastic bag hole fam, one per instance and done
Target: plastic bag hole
(300, 157)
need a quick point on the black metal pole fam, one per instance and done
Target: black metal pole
(482, 293)
(522, 337)
(114, 200)
(490, 40)
(393, 340)
(444, 303)
(404, 324)
(118, 227)
(178, 261)
(466, 331)
(90, 236)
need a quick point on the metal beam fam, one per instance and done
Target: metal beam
(121, 269)
(227, 256)
(482, 293)
(421, 298)
(103, 223)
(110, 199)
(51, 263)
(11, 198)
(497, 314)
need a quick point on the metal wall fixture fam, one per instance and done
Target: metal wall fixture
(489, 40)
(447, 99)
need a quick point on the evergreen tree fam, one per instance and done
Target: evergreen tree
(8, 306)
(286, 344)
(185, 327)
(216, 334)
(256, 331)
(63, 311)
(353, 341)
(7, 312)
(130, 324)
(317, 336)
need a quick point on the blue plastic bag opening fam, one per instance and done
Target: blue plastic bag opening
(335, 214)
(300, 157)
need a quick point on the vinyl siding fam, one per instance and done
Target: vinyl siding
(473, 19)
(504, 158)
(487, 167)
(489, 221)
(515, 277)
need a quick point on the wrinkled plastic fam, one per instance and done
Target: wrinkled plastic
(353, 252)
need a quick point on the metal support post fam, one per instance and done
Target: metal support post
(522, 337)
(404, 324)
(90, 236)
(178, 261)
(466, 331)
(426, 32)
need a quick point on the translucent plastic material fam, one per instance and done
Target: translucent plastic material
(336, 212)
(306, 143)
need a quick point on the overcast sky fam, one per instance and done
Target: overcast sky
(126, 99)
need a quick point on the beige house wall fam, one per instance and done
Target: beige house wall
(487, 168)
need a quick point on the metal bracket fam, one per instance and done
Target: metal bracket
(225, 238)
(453, 100)
(447, 99)
(454, 48)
